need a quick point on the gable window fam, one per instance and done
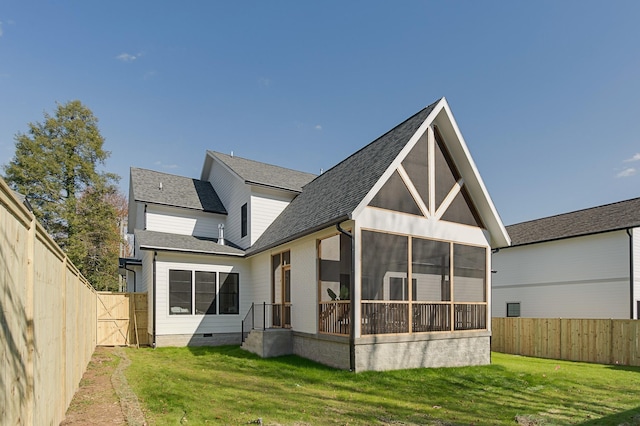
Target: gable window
(513, 309)
(229, 293)
(180, 292)
(243, 221)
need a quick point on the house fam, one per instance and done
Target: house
(583, 264)
(381, 262)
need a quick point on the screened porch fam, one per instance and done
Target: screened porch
(448, 290)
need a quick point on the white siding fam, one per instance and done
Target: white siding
(389, 221)
(233, 193)
(196, 324)
(182, 221)
(585, 277)
(304, 286)
(636, 271)
(145, 283)
(265, 207)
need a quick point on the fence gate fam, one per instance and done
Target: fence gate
(122, 319)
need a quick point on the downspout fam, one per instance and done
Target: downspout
(630, 234)
(155, 255)
(352, 311)
(134, 277)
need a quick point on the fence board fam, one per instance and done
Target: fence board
(603, 341)
(47, 320)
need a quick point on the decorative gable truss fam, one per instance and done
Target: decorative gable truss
(427, 183)
(435, 178)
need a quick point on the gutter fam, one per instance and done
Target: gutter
(631, 278)
(352, 311)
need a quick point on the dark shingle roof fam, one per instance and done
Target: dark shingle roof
(178, 191)
(333, 195)
(265, 174)
(184, 243)
(595, 220)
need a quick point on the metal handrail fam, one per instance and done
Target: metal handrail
(273, 315)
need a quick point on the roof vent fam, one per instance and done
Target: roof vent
(221, 234)
(231, 154)
(160, 186)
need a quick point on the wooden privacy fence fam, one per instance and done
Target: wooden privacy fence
(122, 319)
(47, 320)
(603, 341)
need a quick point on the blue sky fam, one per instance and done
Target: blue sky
(546, 93)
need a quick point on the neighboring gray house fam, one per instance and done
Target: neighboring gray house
(381, 262)
(584, 264)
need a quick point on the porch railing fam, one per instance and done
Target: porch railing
(383, 317)
(263, 316)
(334, 317)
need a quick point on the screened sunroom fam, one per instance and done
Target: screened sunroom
(410, 283)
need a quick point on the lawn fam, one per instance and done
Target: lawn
(226, 385)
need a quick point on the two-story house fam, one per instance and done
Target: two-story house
(381, 262)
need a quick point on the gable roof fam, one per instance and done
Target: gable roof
(171, 190)
(152, 240)
(257, 173)
(334, 195)
(595, 220)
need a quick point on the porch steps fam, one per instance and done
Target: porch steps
(270, 342)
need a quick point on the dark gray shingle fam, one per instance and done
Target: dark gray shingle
(334, 195)
(178, 191)
(595, 220)
(265, 174)
(185, 243)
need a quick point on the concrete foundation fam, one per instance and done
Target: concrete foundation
(423, 350)
(269, 343)
(325, 349)
(213, 339)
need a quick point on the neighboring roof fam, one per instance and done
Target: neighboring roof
(595, 220)
(171, 190)
(255, 172)
(334, 195)
(152, 240)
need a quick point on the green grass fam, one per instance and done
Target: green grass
(226, 385)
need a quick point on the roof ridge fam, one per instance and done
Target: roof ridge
(259, 162)
(165, 173)
(574, 211)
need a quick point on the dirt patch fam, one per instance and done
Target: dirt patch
(104, 397)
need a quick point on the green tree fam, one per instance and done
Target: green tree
(56, 166)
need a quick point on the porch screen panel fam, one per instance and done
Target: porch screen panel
(394, 195)
(229, 293)
(462, 210)
(384, 266)
(335, 268)
(446, 173)
(469, 273)
(417, 167)
(179, 292)
(430, 270)
(205, 293)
